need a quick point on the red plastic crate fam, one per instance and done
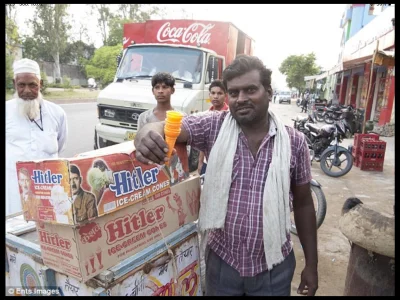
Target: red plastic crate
(373, 145)
(358, 137)
(371, 166)
(364, 156)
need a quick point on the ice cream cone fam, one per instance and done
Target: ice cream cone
(174, 116)
(172, 129)
(170, 140)
(172, 125)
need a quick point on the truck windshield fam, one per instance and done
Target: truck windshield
(145, 61)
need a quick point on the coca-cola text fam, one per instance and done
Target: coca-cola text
(188, 35)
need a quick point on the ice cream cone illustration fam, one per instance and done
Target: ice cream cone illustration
(87, 268)
(92, 263)
(172, 129)
(98, 254)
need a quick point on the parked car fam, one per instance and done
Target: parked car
(284, 96)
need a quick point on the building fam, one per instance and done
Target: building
(365, 83)
(357, 79)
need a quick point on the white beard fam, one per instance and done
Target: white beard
(30, 108)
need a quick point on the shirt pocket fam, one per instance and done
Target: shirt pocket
(48, 142)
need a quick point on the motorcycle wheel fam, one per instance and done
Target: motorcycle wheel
(319, 205)
(329, 157)
(328, 119)
(319, 117)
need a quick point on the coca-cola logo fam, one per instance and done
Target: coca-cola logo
(90, 233)
(195, 33)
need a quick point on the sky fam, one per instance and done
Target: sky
(279, 30)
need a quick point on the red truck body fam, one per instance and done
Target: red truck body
(222, 37)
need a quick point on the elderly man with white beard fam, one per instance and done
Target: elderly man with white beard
(35, 128)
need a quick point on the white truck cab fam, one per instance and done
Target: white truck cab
(130, 94)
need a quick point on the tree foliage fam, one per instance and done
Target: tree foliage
(12, 43)
(50, 28)
(128, 13)
(296, 67)
(102, 65)
(104, 17)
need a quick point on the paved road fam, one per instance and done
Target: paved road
(82, 117)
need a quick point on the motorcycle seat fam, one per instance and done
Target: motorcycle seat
(313, 127)
(301, 119)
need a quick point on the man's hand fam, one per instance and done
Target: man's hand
(309, 281)
(150, 145)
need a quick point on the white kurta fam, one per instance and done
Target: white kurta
(25, 141)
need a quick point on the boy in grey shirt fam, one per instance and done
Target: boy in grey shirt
(163, 87)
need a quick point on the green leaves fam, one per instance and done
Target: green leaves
(102, 66)
(296, 67)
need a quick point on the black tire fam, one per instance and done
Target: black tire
(325, 169)
(328, 119)
(193, 159)
(320, 211)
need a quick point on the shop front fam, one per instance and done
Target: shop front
(368, 77)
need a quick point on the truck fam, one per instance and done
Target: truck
(202, 48)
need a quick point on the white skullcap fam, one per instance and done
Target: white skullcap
(26, 65)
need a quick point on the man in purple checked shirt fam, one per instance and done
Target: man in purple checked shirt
(252, 145)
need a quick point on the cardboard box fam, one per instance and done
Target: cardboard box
(84, 251)
(76, 190)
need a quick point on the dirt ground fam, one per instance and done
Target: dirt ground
(374, 189)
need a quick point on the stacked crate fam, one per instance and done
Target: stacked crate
(368, 152)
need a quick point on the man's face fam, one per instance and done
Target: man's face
(248, 99)
(24, 183)
(27, 86)
(75, 182)
(163, 92)
(217, 96)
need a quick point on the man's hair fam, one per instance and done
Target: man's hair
(217, 83)
(243, 64)
(23, 171)
(163, 77)
(74, 169)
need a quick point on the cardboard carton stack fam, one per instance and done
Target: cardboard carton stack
(98, 208)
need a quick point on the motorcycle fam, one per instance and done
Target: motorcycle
(335, 113)
(353, 120)
(319, 199)
(325, 143)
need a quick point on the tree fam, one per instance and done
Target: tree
(102, 66)
(76, 51)
(51, 29)
(34, 49)
(12, 41)
(138, 12)
(128, 13)
(116, 31)
(104, 17)
(296, 67)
